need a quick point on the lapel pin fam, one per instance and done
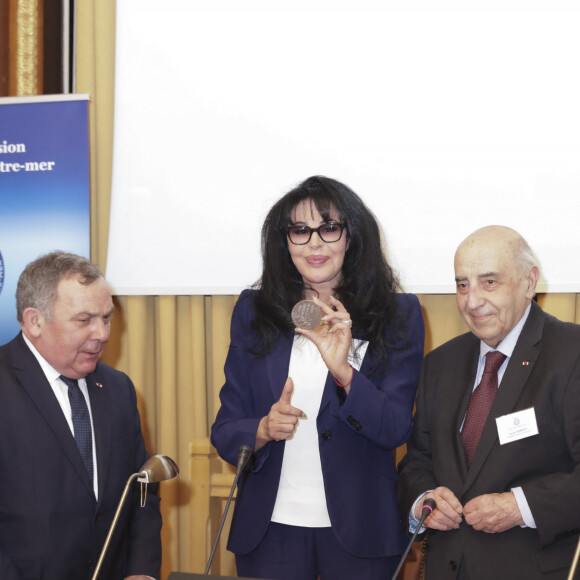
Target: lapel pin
(525, 363)
(100, 385)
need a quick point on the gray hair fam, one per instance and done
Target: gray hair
(524, 255)
(38, 283)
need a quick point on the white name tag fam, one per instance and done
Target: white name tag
(516, 426)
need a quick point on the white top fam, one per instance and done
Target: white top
(301, 499)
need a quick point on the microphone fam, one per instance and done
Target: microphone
(427, 508)
(244, 454)
(155, 469)
(306, 314)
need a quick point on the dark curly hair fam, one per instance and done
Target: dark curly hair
(368, 284)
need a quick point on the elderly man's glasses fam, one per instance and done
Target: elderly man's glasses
(329, 232)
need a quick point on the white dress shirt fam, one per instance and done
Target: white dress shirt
(60, 390)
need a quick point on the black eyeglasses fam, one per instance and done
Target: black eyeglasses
(329, 232)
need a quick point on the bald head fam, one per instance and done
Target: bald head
(505, 240)
(496, 276)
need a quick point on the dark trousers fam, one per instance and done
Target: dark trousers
(296, 553)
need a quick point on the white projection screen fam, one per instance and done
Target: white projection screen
(444, 116)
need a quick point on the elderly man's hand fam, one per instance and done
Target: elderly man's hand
(493, 513)
(447, 515)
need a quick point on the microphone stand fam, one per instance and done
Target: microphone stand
(114, 523)
(574, 562)
(155, 469)
(427, 509)
(244, 453)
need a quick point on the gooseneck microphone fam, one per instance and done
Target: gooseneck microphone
(427, 508)
(244, 454)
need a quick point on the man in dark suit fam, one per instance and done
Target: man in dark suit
(506, 483)
(70, 436)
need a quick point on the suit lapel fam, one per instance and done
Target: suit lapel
(464, 377)
(34, 382)
(521, 363)
(277, 365)
(101, 412)
(364, 366)
(329, 392)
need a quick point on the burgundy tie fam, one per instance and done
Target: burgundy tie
(480, 403)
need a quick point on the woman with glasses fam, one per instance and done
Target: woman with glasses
(323, 408)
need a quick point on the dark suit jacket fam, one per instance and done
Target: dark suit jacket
(357, 434)
(51, 525)
(543, 373)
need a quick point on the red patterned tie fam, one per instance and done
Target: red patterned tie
(480, 403)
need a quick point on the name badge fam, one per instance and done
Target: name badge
(516, 426)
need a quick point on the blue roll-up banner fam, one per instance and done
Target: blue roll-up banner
(44, 187)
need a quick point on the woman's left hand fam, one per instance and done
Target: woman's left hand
(333, 339)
